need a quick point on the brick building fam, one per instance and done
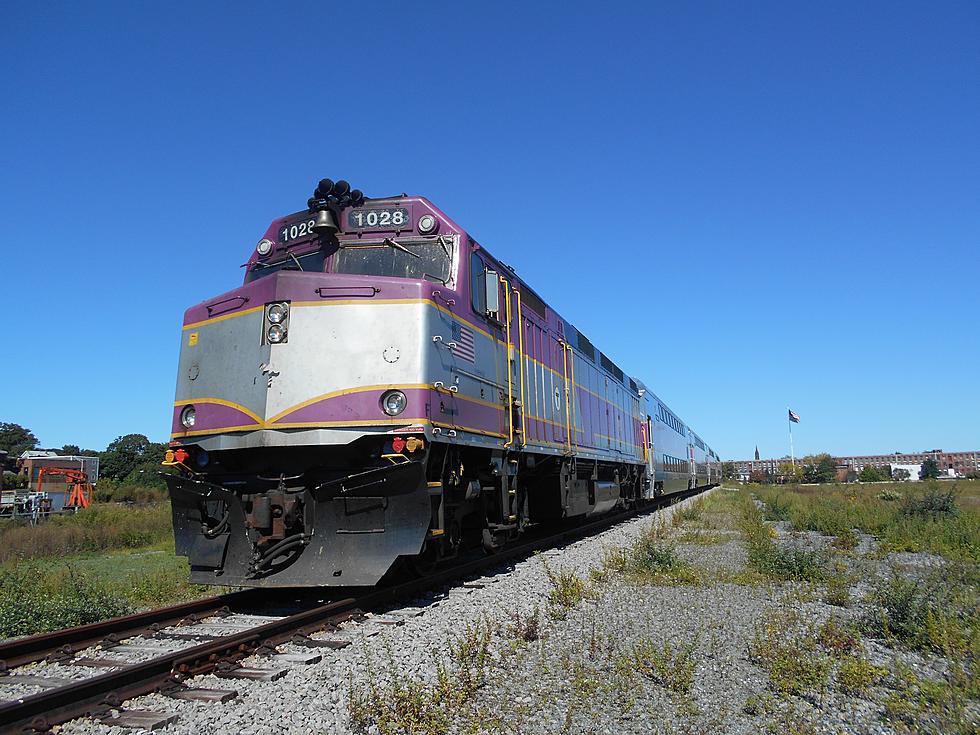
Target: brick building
(951, 464)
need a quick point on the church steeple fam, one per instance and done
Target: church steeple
(757, 452)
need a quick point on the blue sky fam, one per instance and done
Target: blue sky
(750, 206)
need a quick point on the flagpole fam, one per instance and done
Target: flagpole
(792, 456)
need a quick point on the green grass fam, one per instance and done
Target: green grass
(101, 562)
(936, 517)
(45, 595)
(95, 529)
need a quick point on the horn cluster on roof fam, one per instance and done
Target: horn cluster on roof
(334, 195)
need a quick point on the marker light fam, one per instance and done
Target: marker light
(188, 417)
(276, 334)
(277, 313)
(264, 247)
(427, 224)
(393, 402)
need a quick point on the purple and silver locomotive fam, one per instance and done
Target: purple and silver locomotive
(381, 389)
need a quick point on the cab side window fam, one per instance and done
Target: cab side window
(478, 295)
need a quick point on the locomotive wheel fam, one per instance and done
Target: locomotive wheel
(423, 563)
(490, 543)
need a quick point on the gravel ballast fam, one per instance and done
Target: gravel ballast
(574, 677)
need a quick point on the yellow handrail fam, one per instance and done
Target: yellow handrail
(520, 364)
(510, 378)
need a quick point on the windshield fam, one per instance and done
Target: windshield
(307, 262)
(420, 259)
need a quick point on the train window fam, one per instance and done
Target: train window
(532, 301)
(418, 259)
(312, 262)
(478, 295)
(584, 346)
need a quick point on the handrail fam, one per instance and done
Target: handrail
(520, 338)
(510, 377)
(574, 408)
(568, 426)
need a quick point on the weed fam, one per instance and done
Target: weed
(838, 589)
(839, 640)
(846, 539)
(784, 647)
(672, 669)
(889, 495)
(650, 560)
(525, 629)
(690, 513)
(391, 704)
(701, 538)
(856, 675)
(777, 508)
(776, 560)
(799, 670)
(939, 707)
(567, 591)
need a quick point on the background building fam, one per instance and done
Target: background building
(951, 464)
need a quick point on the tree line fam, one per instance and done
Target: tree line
(129, 459)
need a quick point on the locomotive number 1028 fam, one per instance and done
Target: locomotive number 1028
(379, 218)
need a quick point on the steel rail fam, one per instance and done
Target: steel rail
(40, 712)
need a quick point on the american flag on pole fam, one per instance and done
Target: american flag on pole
(793, 417)
(465, 346)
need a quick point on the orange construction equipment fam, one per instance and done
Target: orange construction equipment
(81, 489)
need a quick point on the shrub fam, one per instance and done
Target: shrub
(27, 607)
(889, 495)
(932, 502)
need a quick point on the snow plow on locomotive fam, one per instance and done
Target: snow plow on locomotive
(382, 388)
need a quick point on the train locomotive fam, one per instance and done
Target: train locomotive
(382, 392)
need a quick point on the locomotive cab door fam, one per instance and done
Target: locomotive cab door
(559, 386)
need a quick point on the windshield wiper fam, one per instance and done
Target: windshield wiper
(392, 243)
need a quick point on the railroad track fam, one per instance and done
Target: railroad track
(206, 652)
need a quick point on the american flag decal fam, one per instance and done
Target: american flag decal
(465, 346)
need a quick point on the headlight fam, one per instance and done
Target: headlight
(276, 334)
(393, 402)
(188, 417)
(277, 313)
(427, 224)
(264, 247)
